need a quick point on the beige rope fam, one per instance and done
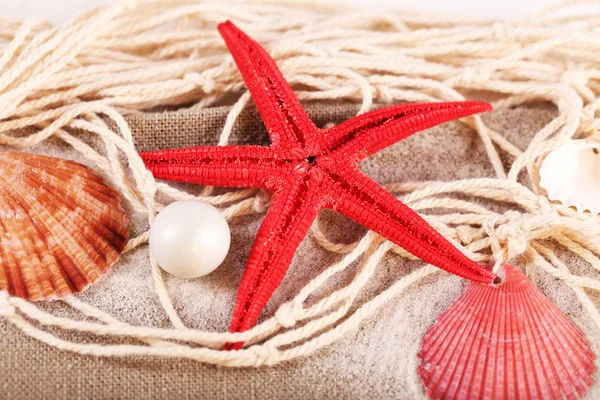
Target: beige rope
(136, 55)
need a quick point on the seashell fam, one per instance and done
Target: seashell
(571, 174)
(61, 227)
(505, 342)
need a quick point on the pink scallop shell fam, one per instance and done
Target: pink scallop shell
(508, 342)
(61, 227)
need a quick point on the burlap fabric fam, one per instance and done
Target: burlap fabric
(187, 128)
(378, 361)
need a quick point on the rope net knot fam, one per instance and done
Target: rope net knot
(509, 235)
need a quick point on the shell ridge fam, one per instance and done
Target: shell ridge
(80, 229)
(92, 188)
(90, 223)
(449, 337)
(23, 267)
(114, 241)
(528, 383)
(575, 358)
(479, 344)
(62, 236)
(475, 292)
(548, 338)
(15, 282)
(453, 374)
(504, 349)
(485, 340)
(86, 198)
(57, 274)
(70, 229)
(551, 339)
(520, 345)
(84, 240)
(575, 335)
(62, 166)
(86, 202)
(40, 276)
(543, 348)
(521, 376)
(489, 391)
(438, 335)
(468, 385)
(5, 281)
(541, 379)
(570, 369)
(508, 389)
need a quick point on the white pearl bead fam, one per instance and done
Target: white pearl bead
(189, 239)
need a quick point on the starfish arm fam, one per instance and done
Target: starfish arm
(368, 133)
(230, 166)
(294, 208)
(288, 125)
(363, 200)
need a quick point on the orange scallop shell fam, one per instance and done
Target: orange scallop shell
(61, 227)
(508, 342)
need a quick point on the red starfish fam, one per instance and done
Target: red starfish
(309, 169)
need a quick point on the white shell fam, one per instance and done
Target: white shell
(571, 175)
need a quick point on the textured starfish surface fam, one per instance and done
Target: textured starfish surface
(309, 169)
